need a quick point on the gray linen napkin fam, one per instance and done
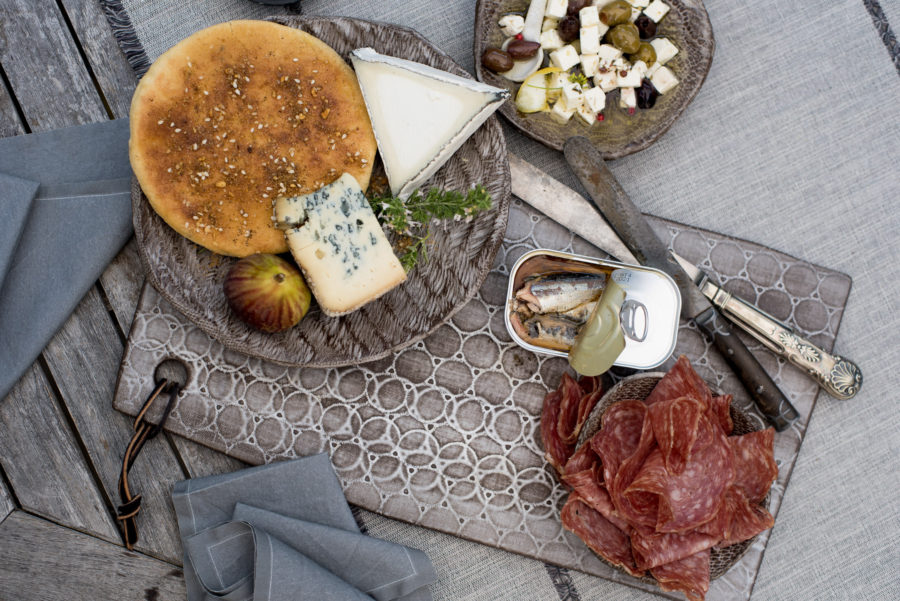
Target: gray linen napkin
(74, 186)
(285, 531)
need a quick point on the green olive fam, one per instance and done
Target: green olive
(615, 13)
(625, 37)
(645, 53)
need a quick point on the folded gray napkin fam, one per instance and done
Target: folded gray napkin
(65, 211)
(285, 531)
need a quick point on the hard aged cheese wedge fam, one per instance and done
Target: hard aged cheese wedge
(420, 115)
(337, 241)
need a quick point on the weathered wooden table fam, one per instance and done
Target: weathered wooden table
(60, 441)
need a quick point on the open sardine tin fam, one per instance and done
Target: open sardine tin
(648, 313)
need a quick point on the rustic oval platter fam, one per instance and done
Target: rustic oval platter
(620, 134)
(190, 277)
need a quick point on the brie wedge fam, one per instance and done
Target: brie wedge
(420, 115)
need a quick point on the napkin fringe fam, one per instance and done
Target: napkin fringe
(126, 36)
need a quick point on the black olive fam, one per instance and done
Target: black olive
(522, 49)
(569, 28)
(646, 27)
(576, 5)
(646, 95)
(497, 60)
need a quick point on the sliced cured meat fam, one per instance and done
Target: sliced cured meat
(653, 549)
(584, 459)
(754, 461)
(594, 494)
(619, 435)
(746, 519)
(675, 423)
(689, 575)
(585, 406)
(570, 405)
(555, 450)
(680, 381)
(638, 509)
(590, 384)
(720, 412)
(598, 533)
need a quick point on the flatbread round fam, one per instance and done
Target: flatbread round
(236, 115)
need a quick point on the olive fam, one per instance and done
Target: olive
(615, 13)
(522, 49)
(576, 5)
(646, 27)
(497, 60)
(645, 53)
(569, 28)
(625, 37)
(646, 95)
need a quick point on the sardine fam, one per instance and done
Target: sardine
(560, 292)
(580, 313)
(548, 331)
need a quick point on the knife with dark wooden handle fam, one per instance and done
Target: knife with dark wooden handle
(628, 221)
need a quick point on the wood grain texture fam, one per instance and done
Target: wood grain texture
(70, 565)
(84, 359)
(6, 502)
(10, 124)
(43, 462)
(122, 281)
(202, 461)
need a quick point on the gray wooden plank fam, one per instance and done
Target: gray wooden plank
(202, 461)
(43, 462)
(10, 125)
(122, 281)
(45, 562)
(84, 359)
(6, 502)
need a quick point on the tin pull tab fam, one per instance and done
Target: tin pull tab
(635, 320)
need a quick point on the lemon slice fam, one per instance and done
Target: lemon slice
(532, 94)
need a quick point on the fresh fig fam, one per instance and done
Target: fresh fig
(267, 292)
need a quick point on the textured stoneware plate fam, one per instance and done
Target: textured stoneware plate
(639, 386)
(620, 134)
(191, 277)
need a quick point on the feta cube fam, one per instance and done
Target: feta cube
(556, 8)
(664, 80)
(656, 10)
(608, 53)
(635, 13)
(589, 15)
(555, 83)
(565, 58)
(639, 3)
(588, 116)
(590, 63)
(606, 80)
(572, 95)
(665, 50)
(550, 40)
(549, 23)
(652, 69)
(631, 79)
(595, 99)
(640, 67)
(590, 40)
(512, 25)
(560, 112)
(627, 98)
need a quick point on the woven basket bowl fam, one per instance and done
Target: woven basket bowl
(638, 387)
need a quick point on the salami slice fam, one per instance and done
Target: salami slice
(570, 405)
(619, 435)
(594, 494)
(746, 519)
(754, 461)
(652, 549)
(689, 575)
(720, 412)
(555, 450)
(675, 424)
(638, 509)
(680, 381)
(584, 459)
(598, 533)
(590, 384)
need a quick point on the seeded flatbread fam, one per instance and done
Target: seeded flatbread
(236, 115)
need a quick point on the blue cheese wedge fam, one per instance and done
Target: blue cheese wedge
(420, 115)
(336, 239)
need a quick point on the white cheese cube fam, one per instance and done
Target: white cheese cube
(595, 99)
(572, 95)
(664, 80)
(590, 64)
(640, 67)
(589, 15)
(656, 10)
(665, 50)
(588, 116)
(561, 113)
(635, 13)
(556, 8)
(631, 79)
(512, 25)
(607, 80)
(590, 40)
(639, 3)
(627, 98)
(550, 40)
(555, 83)
(340, 246)
(565, 58)
(549, 23)
(652, 69)
(608, 53)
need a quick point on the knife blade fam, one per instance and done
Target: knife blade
(627, 220)
(839, 377)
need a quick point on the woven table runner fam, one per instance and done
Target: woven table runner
(445, 433)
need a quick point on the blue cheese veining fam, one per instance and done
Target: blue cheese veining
(336, 239)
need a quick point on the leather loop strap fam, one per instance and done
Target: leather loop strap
(126, 512)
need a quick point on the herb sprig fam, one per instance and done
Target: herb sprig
(411, 218)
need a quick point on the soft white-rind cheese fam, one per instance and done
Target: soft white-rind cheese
(420, 115)
(336, 239)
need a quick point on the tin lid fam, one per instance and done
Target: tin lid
(601, 339)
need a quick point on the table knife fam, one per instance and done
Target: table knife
(635, 231)
(840, 377)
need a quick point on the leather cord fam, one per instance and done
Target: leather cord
(126, 512)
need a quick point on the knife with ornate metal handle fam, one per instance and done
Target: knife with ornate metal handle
(635, 231)
(841, 378)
